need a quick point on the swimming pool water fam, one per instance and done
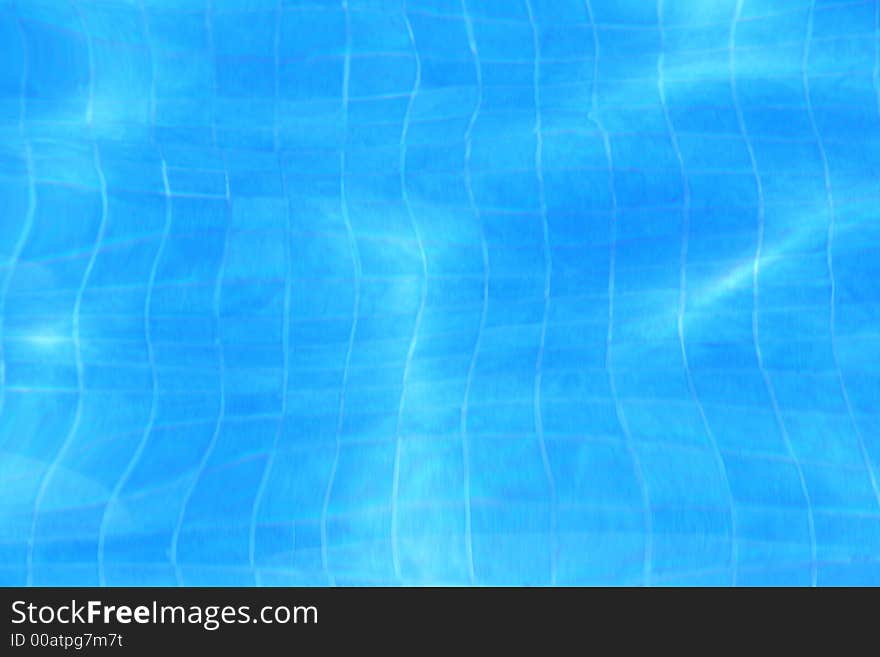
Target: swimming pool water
(439, 292)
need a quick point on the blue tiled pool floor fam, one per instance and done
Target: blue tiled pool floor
(307, 292)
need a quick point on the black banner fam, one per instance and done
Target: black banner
(117, 621)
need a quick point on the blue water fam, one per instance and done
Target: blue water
(310, 292)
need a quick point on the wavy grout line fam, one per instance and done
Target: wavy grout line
(27, 225)
(113, 500)
(683, 257)
(759, 247)
(647, 568)
(829, 258)
(759, 258)
(753, 567)
(80, 367)
(395, 489)
(49, 474)
(356, 261)
(221, 408)
(548, 273)
(24, 235)
(756, 16)
(285, 335)
(472, 366)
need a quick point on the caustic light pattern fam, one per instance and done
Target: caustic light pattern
(439, 292)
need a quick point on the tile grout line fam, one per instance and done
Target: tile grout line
(51, 470)
(829, 258)
(548, 274)
(356, 262)
(756, 266)
(682, 303)
(221, 407)
(484, 250)
(285, 336)
(80, 367)
(395, 487)
(27, 224)
(113, 500)
(647, 514)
